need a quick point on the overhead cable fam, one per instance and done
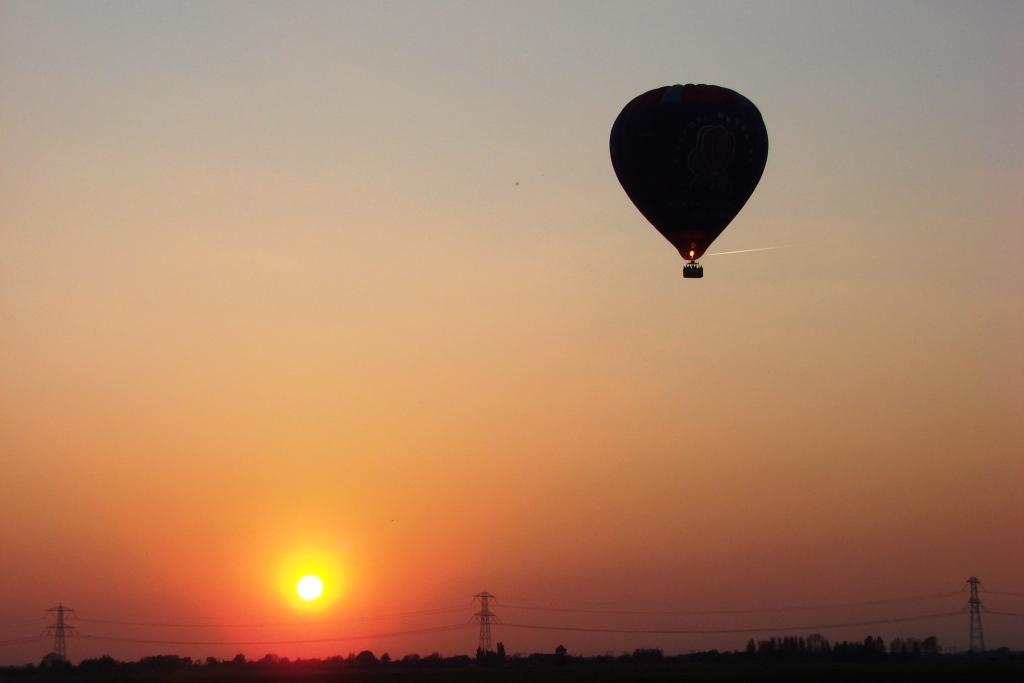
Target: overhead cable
(802, 627)
(751, 610)
(300, 641)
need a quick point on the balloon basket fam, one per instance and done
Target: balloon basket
(693, 269)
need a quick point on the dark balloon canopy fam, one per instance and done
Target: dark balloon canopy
(689, 157)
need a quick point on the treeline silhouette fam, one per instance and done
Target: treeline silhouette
(818, 647)
(812, 648)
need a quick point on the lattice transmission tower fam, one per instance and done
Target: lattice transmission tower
(977, 636)
(484, 617)
(60, 629)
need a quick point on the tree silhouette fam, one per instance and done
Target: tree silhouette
(366, 659)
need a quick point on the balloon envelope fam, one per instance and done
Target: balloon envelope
(689, 157)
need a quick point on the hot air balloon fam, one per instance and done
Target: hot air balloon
(689, 157)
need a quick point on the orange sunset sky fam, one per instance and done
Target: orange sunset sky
(352, 289)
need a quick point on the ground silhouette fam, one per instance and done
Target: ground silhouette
(795, 658)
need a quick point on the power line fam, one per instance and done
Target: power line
(485, 618)
(25, 639)
(753, 610)
(336, 622)
(1011, 593)
(804, 627)
(301, 641)
(27, 622)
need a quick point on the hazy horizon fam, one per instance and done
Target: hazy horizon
(352, 289)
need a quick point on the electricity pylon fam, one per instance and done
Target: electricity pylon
(977, 636)
(483, 617)
(60, 629)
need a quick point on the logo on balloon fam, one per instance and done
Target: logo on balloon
(711, 157)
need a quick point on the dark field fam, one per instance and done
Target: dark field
(939, 669)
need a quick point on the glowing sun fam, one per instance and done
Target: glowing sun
(309, 587)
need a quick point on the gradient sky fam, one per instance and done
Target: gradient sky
(354, 285)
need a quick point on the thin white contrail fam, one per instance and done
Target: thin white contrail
(747, 251)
